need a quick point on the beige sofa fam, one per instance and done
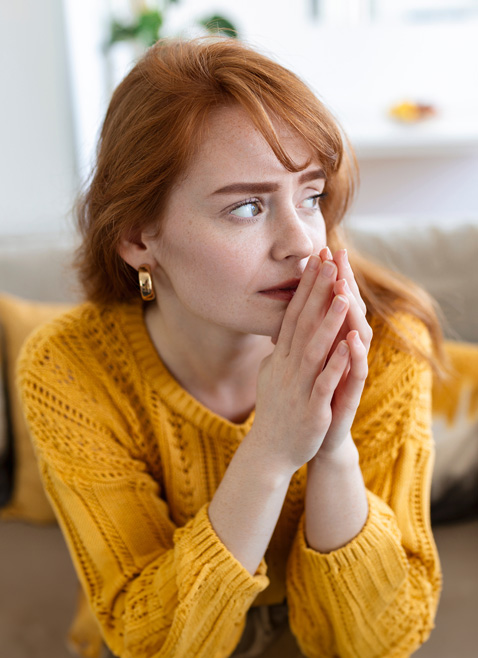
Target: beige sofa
(38, 586)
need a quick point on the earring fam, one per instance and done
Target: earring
(146, 286)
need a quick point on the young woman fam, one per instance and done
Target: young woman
(228, 479)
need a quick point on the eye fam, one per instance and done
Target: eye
(313, 201)
(247, 209)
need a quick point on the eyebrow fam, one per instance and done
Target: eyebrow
(264, 188)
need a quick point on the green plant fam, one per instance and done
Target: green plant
(148, 24)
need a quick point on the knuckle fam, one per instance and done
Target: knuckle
(349, 405)
(306, 324)
(312, 357)
(323, 387)
(360, 374)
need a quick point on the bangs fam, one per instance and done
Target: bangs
(278, 95)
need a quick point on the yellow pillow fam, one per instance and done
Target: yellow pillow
(5, 452)
(18, 319)
(455, 430)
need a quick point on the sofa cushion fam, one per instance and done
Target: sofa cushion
(455, 430)
(28, 502)
(39, 267)
(439, 257)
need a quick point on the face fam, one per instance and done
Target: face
(236, 225)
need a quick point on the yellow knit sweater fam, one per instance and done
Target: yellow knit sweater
(130, 461)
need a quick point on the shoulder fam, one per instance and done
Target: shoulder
(403, 333)
(77, 340)
(76, 323)
(396, 400)
(398, 365)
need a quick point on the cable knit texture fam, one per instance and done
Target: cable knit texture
(130, 461)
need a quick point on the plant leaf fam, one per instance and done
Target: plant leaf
(218, 24)
(145, 29)
(121, 32)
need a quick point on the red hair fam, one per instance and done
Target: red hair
(154, 126)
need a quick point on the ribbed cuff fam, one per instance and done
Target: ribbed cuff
(214, 593)
(357, 581)
(377, 545)
(203, 557)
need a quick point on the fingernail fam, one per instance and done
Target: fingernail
(339, 304)
(313, 262)
(346, 257)
(343, 348)
(328, 269)
(329, 253)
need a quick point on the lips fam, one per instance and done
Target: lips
(289, 285)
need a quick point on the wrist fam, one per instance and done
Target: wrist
(273, 470)
(345, 455)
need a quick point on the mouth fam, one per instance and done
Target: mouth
(290, 286)
(282, 292)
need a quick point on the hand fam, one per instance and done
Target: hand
(354, 319)
(358, 334)
(296, 382)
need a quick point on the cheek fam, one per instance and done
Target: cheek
(320, 238)
(200, 261)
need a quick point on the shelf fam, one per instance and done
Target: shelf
(376, 136)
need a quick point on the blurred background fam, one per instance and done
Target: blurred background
(402, 78)
(362, 57)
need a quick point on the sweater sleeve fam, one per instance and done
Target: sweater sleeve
(377, 596)
(156, 590)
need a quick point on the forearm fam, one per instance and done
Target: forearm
(336, 505)
(246, 506)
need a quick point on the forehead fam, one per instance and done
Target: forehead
(233, 147)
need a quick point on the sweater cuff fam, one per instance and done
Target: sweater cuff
(377, 547)
(203, 557)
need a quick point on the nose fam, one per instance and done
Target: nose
(292, 238)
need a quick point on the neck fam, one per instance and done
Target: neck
(207, 360)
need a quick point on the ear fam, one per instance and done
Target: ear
(137, 250)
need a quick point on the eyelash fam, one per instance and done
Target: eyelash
(252, 220)
(244, 220)
(317, 196)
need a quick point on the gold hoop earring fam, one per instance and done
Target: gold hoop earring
(146, 286)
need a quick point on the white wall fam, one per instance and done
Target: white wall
(37, 163)
(438, 187)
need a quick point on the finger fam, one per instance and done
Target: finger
(310, 360)
(349, 390)
(315, 309)
(346, 272)
(328, 380)
(348, 397)
(284, 339)
(342, 335)
(355, 317)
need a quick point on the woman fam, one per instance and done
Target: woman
(203, 474)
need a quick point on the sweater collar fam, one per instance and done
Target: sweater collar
(159, 380)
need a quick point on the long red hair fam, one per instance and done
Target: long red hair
(153, 127)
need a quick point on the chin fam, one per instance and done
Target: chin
(257, 325)
(271, 330)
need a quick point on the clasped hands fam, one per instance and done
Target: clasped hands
(309, 388)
